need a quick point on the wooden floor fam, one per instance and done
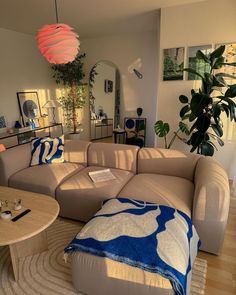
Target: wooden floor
(221, 271)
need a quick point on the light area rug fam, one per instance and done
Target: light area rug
(48, 274)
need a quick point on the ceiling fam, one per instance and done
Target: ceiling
(90, 18)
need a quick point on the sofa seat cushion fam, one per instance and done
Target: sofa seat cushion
(112, 275)
(173, 191)
(44, 178)
(80, 198)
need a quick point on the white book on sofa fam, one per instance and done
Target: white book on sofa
(102, 175)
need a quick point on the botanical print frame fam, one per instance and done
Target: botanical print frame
(2, 122)
(29, 106)
(197, 64)
(173, 64)
(108, 86)
(230, 56)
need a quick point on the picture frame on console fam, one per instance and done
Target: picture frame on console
(29, 106)
(2, 122)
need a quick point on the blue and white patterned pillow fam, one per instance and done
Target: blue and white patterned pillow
(47, 150)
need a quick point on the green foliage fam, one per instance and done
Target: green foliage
(69, 105)
(71, 73)
(162, 129)
(205, 108)
(71, 76)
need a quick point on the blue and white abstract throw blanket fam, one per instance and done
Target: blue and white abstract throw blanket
(155, 238)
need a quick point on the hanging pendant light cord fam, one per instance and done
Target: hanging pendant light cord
(56, 11)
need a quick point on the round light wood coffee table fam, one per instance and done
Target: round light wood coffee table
(26, 236)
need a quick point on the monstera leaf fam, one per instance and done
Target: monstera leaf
(161, 128)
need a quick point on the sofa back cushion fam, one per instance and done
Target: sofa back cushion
(13, 160)
(167, 162)
(76, 151)
(120, 156)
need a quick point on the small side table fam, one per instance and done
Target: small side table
(119, 136)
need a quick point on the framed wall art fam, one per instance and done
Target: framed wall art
(135, 131)
(197, 64)
(108, 86)
(29, 106)
(173, 64)
(230, 56)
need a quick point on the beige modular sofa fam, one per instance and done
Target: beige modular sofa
(194, 184)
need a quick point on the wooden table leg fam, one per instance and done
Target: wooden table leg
(31, 246)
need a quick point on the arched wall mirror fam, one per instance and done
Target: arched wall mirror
(104, 95)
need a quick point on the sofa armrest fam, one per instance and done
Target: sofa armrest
(211, 204)
(13, 160)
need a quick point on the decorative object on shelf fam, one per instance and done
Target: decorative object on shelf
(2, 122)
(17, 204)
(133, 68)
(58, 43)
(17, 124)
(52, 105)
(173, 64)
(29, 106)
(136, 131)
(206, 106)
(71, 76)
(139, 112)
(2, 148)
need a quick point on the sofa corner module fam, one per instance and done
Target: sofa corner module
(13, 160)
(211, 204)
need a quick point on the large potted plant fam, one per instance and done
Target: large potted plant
(205, 108)
(71, 75)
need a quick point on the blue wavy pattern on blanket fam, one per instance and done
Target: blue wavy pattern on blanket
(138, 233)
(47, 150)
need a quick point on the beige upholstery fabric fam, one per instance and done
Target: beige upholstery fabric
(167, 162)
(93, 275)
(161, 189)
(120, 156)
(76, 151)
(211, 204)
(13, 160)
(43, 179)
(80, 198)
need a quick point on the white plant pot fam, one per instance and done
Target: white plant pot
(74, 136)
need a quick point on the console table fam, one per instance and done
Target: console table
(101, 128)
(24, 135)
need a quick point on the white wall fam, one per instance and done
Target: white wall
(123, 50)
(208, 22)
(22, 68)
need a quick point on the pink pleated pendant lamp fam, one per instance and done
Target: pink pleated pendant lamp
(58, 43)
